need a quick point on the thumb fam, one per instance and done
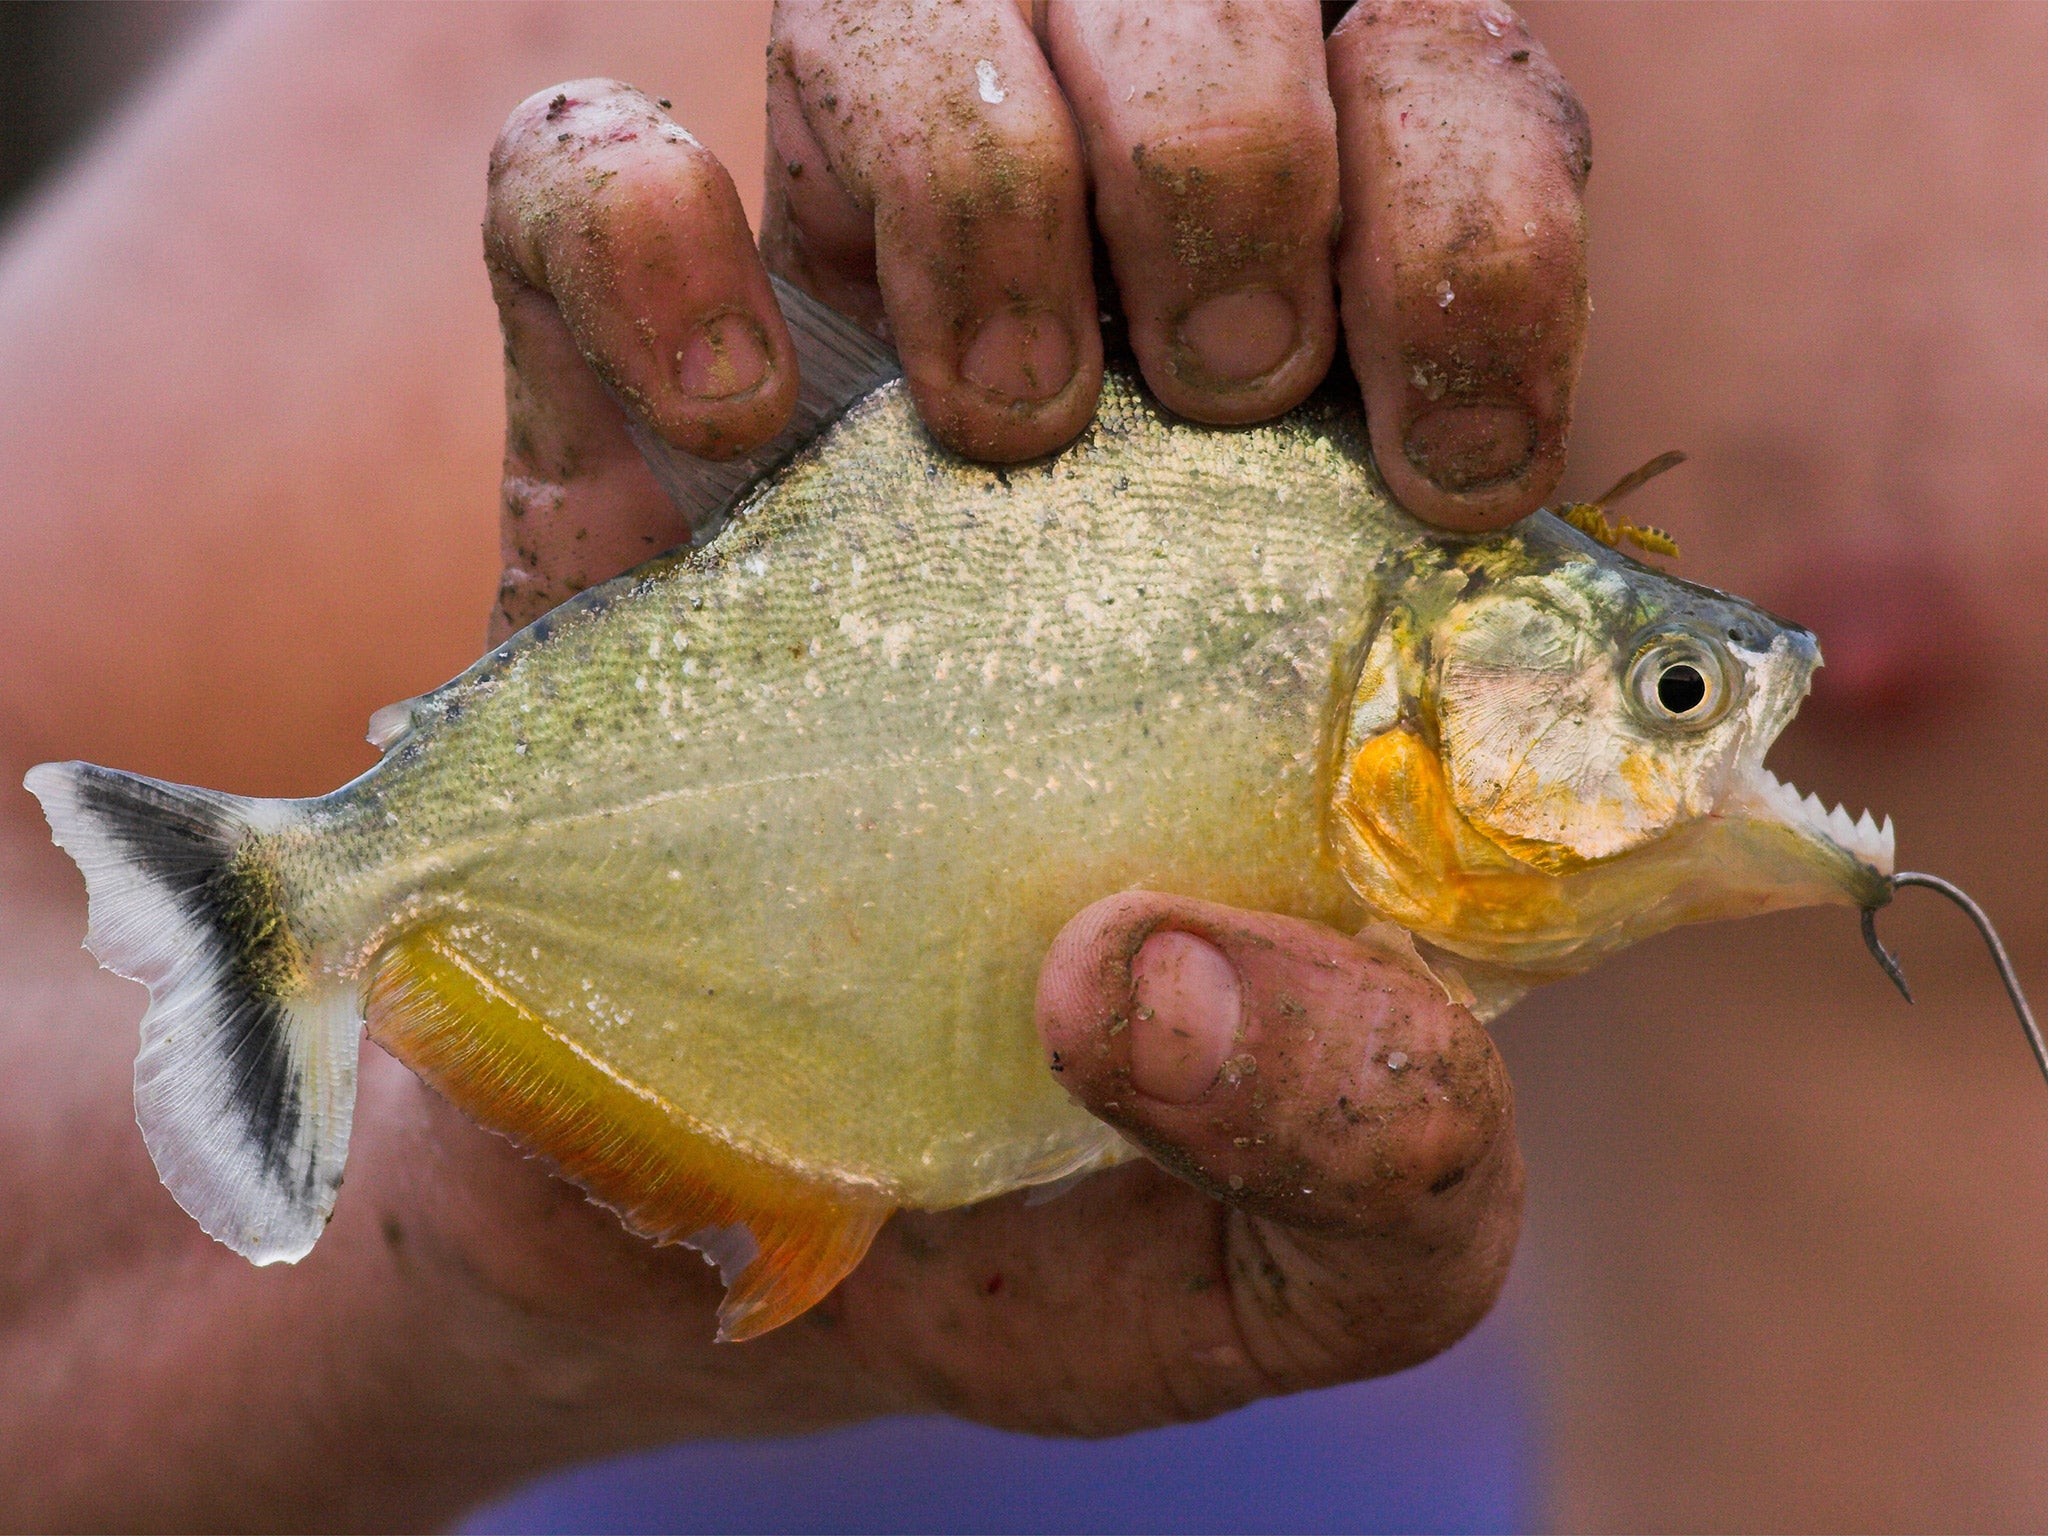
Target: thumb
(1318, 1081)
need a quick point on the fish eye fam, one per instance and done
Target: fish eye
(1680, 688)
(1681, 680)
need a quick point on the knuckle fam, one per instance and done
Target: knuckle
(1317, 1306)
(1239, 195)
(579, 138)
(1309, 1315)
(535, 123)
(1025, 172)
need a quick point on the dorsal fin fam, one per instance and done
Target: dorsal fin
(837, 364)
(390, 723)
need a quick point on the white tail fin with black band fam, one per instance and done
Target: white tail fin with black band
(246, 1081)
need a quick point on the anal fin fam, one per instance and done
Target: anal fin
(781, 1241)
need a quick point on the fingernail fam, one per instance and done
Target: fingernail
(1469, 447)
(1024, 354)
(728, 356)
(1186, 1005)
(1236, 337)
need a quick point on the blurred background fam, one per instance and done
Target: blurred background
(67, 63)
(1782, 1262)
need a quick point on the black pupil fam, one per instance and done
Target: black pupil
(1681, 689)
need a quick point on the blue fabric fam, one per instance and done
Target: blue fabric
(1448, 1446)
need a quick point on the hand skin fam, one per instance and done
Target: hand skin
(930, 170)
(1345, 1189)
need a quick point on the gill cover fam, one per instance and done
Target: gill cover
(1592, 709)
(1575, 723)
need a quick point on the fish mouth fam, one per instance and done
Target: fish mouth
(1413, 858)
(1766, 797)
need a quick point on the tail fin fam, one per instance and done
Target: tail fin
(246, 1081)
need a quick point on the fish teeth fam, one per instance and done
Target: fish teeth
(1863, 837)
(1841, 828)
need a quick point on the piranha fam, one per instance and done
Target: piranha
(723, 888)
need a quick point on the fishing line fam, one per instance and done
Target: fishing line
(1890, 961)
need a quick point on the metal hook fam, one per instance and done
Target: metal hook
(1885, 957)
(1890, 961)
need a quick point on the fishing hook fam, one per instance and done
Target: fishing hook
(1890, 961)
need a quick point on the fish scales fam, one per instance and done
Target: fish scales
(726, 885)
(812, 803)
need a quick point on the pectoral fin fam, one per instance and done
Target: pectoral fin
(781, 1241)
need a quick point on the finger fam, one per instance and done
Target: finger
(944, 129)
(1358, 1129)
(625, 281)
(813, 232)
(578, 504)
(1212, 145)
(1306, 1077)
(635, 231)
(1463, 259)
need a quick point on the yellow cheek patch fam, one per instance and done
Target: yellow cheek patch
(1609, 821)
(1410, 854)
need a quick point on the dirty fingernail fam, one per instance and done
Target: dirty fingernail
(1469, 447)
(1186, 1006)
(1023, 354)
(1236, 337)
(727, 356)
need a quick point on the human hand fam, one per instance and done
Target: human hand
(1343, 1201)
(929, 174)
(1349, 1189)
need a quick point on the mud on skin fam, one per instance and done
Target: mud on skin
(1463, 254)
(625, 280)
(947, 208)
(950, 202)
(1360, 1130)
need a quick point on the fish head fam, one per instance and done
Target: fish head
(1555, 751)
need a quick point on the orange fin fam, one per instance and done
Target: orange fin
(781, 1241)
